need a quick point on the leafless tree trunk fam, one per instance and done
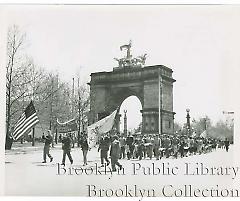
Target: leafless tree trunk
(23, 80)
(14, 43)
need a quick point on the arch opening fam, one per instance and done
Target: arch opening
(132, 106)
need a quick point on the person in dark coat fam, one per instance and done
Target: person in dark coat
(140, 149)
(84, 147)
(156, 146)
(104, 148)
(47, 142)
(115, 154)
(226, 143)
(122, 142)
(129, 142)
(181, 148)
(66, 146)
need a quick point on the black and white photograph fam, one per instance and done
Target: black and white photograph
(120, 100)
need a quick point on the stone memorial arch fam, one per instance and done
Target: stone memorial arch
(153, 85)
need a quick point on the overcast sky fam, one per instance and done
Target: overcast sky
(200, 43)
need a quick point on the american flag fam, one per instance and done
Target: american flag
(28, 120)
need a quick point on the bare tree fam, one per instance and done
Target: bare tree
(25, 87)
(83, 105)
(54, 101)
(81, 102)
(221, 130)
(23, 80)
(15, 41)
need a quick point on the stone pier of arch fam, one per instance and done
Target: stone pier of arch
(153, 85)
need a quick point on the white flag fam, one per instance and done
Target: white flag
(204, 134)
(100, 127)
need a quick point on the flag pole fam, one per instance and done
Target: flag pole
(160, 102)
(79, 113)
(33, 136)
(33, 129)
(72, 96)
(33, 133)
(205, 121)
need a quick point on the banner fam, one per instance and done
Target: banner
(67, 126)
(100, 127)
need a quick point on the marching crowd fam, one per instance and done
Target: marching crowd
(138, 147)
(165, 146)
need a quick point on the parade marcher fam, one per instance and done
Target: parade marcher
(161, 149)
(66, 146)
(156, 146)
(200, 146)
(181, 147)
(221, 144)
(60, 138)
(129, 142)
(144, 139)
(195, 146)
(226, 143)
(127, 149)
(53, 137)
(191, 145)
(218, 144)
(103, 148)
(115, 153)
(135, 150)
(167, 146)
(175, 145)
(122, 141)
(140, 149)
(149, 147)
(84, 147)
(187, 146)
(72, 136)
(214, 144)
(48, 141)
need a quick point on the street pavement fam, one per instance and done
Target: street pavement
(25, 174)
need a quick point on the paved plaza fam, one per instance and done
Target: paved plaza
(26, 175)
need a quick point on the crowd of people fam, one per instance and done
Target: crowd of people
(137, 147)
(159, 146)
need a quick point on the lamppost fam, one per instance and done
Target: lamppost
(188, 121)
(125, 123)
(205, 123)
